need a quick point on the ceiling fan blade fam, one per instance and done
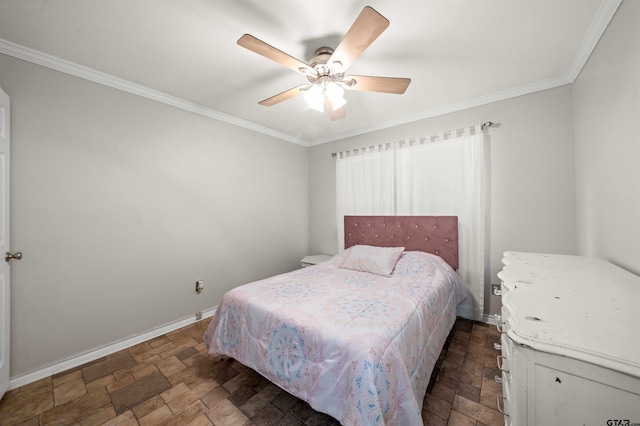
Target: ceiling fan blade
(369, 83)
(283, 96)
(261, 48)
(366, 28)
(334, 114)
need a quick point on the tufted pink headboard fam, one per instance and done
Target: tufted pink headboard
(432, 234)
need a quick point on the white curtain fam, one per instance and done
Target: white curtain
(365, 184)
(436, 175)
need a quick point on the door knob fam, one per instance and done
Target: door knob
(17, 256)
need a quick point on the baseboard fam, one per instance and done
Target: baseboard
(78, 360)
(490, 319)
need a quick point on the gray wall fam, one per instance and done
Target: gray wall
(532, 186)
(607, 123)
(120, 204)
(564, 163)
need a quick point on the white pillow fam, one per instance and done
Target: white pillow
(372, 259)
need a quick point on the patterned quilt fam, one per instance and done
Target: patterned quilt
(357, 346)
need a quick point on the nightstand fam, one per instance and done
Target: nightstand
(315, 259)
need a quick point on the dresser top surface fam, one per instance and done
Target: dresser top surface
(575, 306)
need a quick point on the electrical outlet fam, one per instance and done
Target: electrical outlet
(199, 315)
(199, 286)
(495, 290)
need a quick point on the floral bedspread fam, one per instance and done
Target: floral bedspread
(357, 346)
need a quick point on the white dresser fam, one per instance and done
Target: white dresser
(570, 351)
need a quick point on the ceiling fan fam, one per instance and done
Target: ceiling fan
(326, 70)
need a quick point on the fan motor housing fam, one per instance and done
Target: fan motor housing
(319, 61)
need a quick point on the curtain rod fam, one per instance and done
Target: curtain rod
(482, 127)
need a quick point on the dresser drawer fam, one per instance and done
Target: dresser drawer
(569, 341)
(514, 363)
(504, 360)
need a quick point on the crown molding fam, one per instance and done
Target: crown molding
(601, 20)
(457, 106)
(598, 26)
(80, 71)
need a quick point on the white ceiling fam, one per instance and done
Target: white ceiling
(458, 53)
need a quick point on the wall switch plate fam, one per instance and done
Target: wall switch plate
(199, 286)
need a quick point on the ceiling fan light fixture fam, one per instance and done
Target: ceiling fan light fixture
(337, 103)
(336, 67)
(314, 96)
(335, 94)
(326, 70)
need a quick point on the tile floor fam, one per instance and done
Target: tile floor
(171, 381)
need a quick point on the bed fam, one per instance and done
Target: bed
(358, 336)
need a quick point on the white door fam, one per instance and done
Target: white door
(4, 242)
